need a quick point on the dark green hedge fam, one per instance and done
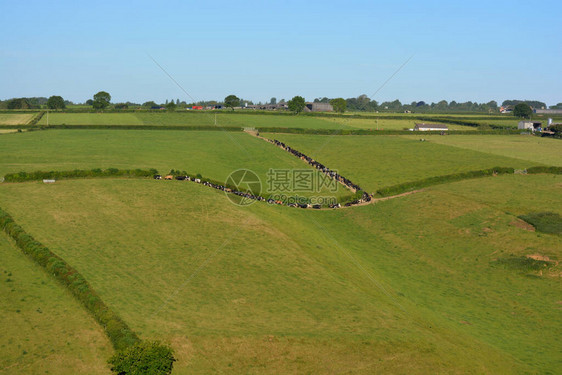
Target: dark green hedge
(78, 173)
(410, 186)
(544, 169)
(119, 333)
(143, 358)
(381, 132)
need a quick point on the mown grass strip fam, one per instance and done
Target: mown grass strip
(437, 180)
(116, 329)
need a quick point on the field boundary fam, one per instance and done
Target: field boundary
(360, 195)
(118, 332)
(280, 130)
(405, 187)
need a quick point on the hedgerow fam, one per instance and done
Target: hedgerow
(78, 173)
(119, 333)
(413, 185)
(380, 132)
(544, 169)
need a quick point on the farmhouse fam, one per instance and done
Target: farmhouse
(430, 127)
(318, 107)
(528, 124)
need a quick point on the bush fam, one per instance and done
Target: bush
(545, 222)
(146, 358)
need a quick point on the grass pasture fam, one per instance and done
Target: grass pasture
(241, 120)
(280, 290)
(534, 149)
(213, 154)
(381, 161)
(446, 280)
(192, 118)
(44, 330)
(15, 118)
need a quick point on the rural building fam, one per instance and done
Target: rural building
(529, 124)
(548, 111)
(318, 107)
(430, 127)
(267, 107)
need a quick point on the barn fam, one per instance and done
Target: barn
(430, 127)
(318, 107)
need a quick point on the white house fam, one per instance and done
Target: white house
(529, 124)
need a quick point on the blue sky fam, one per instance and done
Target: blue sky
(477, 50)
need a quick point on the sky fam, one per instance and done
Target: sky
(477, 50)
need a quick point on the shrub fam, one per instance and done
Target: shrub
(146, 358)
(545, 222)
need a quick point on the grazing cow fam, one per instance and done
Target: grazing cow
(157, 177)
(180, 178)
(169, 177)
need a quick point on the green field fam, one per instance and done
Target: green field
(432, 282)
(381, 161)
(223, 119)
(15, 118)
(404, 285)
(238, 120)
(44, 330)
(536, 149)
(213, 154)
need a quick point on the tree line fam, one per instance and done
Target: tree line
(361, 103)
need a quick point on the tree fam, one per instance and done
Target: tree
(171, 106)
(339, 104)
(273, 101)
(149, 104)
(89, 102)
(522, 110)
(121, 106)
(231, 101)
(296, 104)
(18, 103)
(101, 100)
(557, 106)
(56, 102)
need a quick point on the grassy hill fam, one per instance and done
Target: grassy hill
(44, 330)
(405, 285)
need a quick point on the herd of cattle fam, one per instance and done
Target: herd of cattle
(242, 194)
(249, 195)
(332, 174)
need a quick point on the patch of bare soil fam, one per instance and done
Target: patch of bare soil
(522, 225)
(544, 258)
